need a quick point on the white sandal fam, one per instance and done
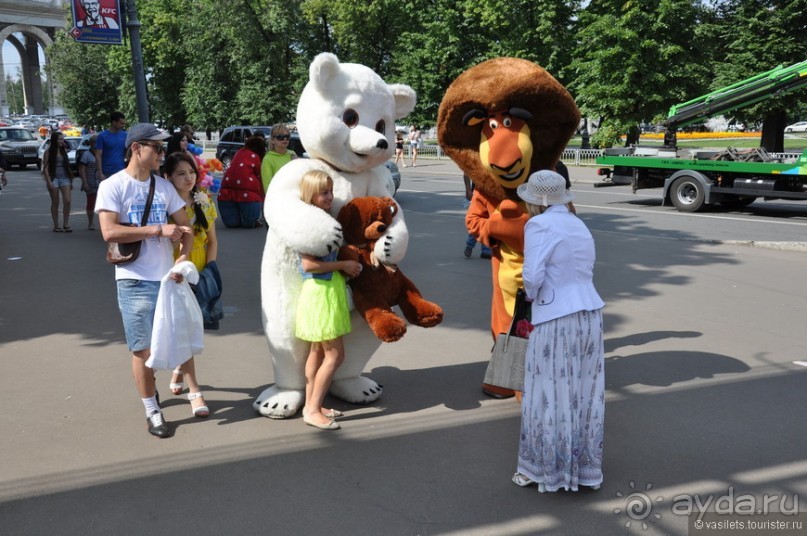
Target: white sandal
(202, 411)
(523, 481)
(177, 388)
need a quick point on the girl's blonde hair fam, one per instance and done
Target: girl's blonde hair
(312, 183)
(279, 128)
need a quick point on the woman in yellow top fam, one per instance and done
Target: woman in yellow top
(180, 169)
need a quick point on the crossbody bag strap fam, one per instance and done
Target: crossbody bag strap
(148, 202)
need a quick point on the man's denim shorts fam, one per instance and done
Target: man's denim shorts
(137, 301)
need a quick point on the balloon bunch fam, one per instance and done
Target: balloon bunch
(195, 149)
(206, 178)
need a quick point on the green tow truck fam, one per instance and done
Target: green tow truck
(731, 178)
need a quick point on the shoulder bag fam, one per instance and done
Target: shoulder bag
(506, 366)
(124, 253)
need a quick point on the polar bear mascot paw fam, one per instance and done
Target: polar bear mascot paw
(356, 390)
(346, 121)
(279, 404)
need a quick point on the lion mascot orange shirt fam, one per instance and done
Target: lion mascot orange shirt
(500, 121)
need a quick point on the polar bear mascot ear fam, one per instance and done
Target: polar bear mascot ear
(325, 68)
(346, 114)
(405, 99)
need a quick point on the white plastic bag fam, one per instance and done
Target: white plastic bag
(178, 331)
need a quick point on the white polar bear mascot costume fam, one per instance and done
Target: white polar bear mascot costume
(346, 120)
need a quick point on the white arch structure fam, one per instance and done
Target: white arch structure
(29, 55)
(37, 21)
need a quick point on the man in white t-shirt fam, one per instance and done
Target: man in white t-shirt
(120, 205)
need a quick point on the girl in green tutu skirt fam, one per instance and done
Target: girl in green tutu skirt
(323, 316)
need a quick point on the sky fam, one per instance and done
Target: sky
(11, 59)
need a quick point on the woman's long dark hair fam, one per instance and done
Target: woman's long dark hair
(174, 142)
(170, 165)
(54, 143)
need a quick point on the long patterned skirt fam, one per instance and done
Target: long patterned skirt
(563, 409)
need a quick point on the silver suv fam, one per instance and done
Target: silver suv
(19, 146)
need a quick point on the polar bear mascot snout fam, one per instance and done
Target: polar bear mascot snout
(346, 121)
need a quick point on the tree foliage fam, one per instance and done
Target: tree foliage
(637, 58)
(89, 84)
(212, 63)
(754, 36)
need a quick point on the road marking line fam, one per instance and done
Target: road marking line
(708, 216)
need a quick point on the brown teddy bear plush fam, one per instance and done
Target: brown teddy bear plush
(379, 286)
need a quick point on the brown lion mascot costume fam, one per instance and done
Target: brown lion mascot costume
(500, 121)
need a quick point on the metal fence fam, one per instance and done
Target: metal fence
(572, 157)
(580, 157)
(426, 151)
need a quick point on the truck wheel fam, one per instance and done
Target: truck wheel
(226, 160)
(687, 194)
(737, 202)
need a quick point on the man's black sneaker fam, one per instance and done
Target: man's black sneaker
(157, 425)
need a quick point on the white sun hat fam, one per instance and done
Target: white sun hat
(545, 188)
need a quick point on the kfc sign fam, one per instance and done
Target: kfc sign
(97, 21)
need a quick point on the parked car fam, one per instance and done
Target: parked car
(19, 146)
(801, 126)
(233, 138)
(71, 131)
(27, 124)
(73, 143)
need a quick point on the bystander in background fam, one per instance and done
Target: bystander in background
(59, 180)
(470, 240)
(87, 170)
(110, 146)
(241, 196)
(278, 154)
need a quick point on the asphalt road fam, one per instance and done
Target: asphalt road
(704, 396)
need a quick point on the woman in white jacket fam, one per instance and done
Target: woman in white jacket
(563, 406)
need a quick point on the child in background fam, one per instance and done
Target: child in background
(180, 170)
(278, 154)
(323, 316)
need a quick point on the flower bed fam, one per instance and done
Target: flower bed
(702, 135)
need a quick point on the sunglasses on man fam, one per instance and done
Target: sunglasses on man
(159, 147)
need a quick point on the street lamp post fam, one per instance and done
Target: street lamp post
(133, 24)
